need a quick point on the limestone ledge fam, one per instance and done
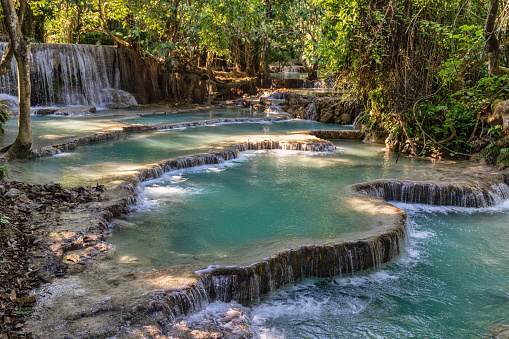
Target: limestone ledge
(59, 148)
(155, 299)
(356, 252)
(164, 126)
(338, 134)
(293, 142)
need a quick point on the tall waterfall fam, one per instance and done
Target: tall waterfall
(68, 74)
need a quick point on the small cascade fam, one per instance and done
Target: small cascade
(312, 111)
(276, 96)
(185, 162)
(233, 153)
(171, 304)
(68, 74)
(294, 69)
(245, 284)
(56, 149)
(166, 126)
(354, 124)
(435, 194)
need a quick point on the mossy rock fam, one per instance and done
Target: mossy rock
(503, 158)
(495, 103)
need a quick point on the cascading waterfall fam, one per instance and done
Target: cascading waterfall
(233, 153)
(438, 195)
(294, 69)
(68, 74)
(245, 284)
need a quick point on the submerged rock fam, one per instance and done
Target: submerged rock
(500, 332)
(10, 101)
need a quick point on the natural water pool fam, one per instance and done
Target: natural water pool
(451, 283)
(250, 208)
(200, 115)
(54, 129)
(101, 162)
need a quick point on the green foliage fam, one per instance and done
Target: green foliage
(24, 311)
(494, 130)
(4, 116)
(418, 66)
(4, 171)
(4, 220)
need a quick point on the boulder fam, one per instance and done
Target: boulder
(500, 114)
(12, 193)
(375, 137)
(116, 105)
(81, 110)
(322, 107)
(10, 102)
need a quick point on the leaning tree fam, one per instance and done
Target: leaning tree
(20, 48)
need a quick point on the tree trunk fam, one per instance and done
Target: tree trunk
(21, 48)
(210, 61)
(492, 43)
(265, 43)
(247, 58)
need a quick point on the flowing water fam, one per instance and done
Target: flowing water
(200, 115)
(451, 283)
(69, 74)
(261, 203)
(101, 162)
(290, 75)
(53, 129)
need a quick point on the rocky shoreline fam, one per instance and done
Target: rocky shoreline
(55, 232)
(35, 236)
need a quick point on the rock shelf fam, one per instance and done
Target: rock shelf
(146, 302)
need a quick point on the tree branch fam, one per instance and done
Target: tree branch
(105, 29)
(108, 33)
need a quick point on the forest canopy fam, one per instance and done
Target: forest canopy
(428, 73)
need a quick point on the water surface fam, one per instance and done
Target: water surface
(245, 210)
(451, 283)
(102, 162)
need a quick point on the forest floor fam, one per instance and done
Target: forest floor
(26, 258)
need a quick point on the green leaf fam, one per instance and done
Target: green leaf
(25, 311)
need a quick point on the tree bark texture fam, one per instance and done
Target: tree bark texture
(21, 49)
(492, 43)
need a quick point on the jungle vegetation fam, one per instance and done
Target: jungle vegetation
(428, 72)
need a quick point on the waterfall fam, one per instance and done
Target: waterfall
(436, 194)
(312, 111)
(276, 96)
(68, 74)
(294, 69)
(233, 153)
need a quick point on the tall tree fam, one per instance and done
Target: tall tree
(492, 43)
(21, 50)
